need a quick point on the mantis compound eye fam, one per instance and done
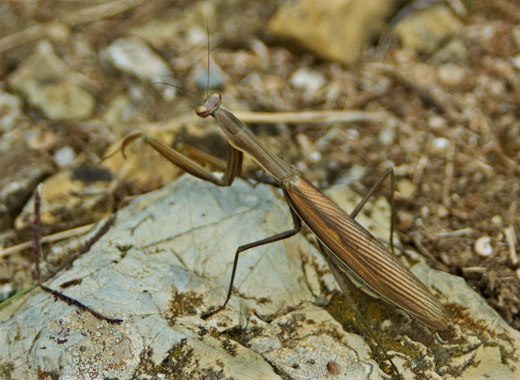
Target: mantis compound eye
(209, 106)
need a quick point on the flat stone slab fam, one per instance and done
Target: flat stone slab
(167, 260)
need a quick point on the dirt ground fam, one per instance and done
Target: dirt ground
(455, 141)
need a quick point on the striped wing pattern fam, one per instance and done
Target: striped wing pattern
(354, 248)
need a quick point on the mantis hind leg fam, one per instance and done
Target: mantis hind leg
(346, 285)
(357, 209)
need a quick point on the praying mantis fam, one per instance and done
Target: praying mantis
(349, 246)
(352, 252)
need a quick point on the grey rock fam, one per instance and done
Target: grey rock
(168, 258)
(133, 56)
(11, 111)
(426, 29)
(21, 171)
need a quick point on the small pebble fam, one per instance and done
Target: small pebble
(315, 156)
(196, 36)
(353, 134)
(404, 220)
(455, 197)
(6, 291)
(307, 80)
(387, 136)
(496, 220)
(406, 188)
(436, 122)
(440, 144)
(451, 75)
(515, 61)
(40, 139)
(11, 111)
(64, 156)
(483, 247)
(442, 212)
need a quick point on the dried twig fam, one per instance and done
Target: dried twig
(36, 234)
(48, 239)
(448, 175)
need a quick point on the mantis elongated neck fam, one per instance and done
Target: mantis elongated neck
(241, 137)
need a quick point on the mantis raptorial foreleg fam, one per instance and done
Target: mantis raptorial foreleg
(232, 168)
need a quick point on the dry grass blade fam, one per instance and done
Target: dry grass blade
(331, 116)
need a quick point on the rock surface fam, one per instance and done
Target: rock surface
(427, 29)
(133, 56)
(82, 195)
(167, 259)
(47, 83)
(11, 111)
(22, 169)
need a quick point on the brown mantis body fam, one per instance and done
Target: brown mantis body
(349, 246)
